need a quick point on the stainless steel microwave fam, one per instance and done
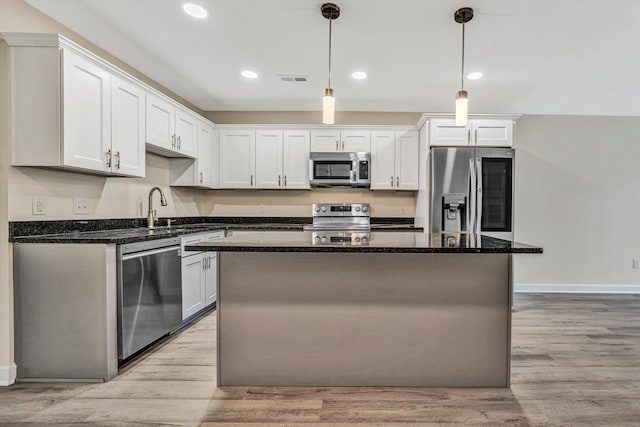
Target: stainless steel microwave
(340, 169)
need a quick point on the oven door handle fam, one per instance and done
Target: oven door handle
(151, 252)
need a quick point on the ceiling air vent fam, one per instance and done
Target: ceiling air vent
(293, 78)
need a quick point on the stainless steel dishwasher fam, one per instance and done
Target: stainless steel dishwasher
(149, 293)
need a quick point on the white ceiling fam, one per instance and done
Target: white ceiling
(537, 56)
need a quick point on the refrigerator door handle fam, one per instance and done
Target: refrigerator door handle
(479, 196)
(471, 200)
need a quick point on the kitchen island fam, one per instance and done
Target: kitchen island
(364, 309)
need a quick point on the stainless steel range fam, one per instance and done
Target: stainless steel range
(340, 224)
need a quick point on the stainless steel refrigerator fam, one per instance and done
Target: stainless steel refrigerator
(472, 190)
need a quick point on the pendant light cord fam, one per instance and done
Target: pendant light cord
(330, 19)
(462, 72)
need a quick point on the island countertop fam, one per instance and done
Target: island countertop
(385, 242)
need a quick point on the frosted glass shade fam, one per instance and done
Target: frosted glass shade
(328, 107)
(462, 108)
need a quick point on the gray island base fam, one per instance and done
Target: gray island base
(359, 316)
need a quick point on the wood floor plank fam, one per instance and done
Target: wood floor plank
(575, 361)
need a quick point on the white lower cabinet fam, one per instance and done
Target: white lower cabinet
(199, 274)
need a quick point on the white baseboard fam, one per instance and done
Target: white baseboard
(7, 374)
(576, 288)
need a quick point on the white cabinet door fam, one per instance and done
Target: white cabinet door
(296, 159)
(127, 127)
(237, 158)
(269, 159)
(493, 133)
(407, 152)
(356, 140)
(186, 133)
(160, 123)
(325, 140)
(203, 158)
(445, 132)
(87, 113)
(215, 159)
(383, 174)
(193, 284)
(211, 277)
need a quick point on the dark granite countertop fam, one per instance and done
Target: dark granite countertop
(390, 242)
(121, 231)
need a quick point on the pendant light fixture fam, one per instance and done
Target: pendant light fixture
(462, 16)
(331, 12)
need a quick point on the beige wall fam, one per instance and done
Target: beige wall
(578, 196)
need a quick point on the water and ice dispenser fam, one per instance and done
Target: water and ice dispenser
(454, 212)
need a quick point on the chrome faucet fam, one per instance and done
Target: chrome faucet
(151, 215)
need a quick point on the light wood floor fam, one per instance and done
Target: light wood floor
(576, 361)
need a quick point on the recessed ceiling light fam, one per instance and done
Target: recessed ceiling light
(249, 74)
(195, 10)
(359, 75)
(474, 76)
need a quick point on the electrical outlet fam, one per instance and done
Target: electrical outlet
(38, 206)
(636, 264)
(80, 206)
(261, 209)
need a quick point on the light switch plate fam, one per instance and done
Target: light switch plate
(80, 206)
(38, 206)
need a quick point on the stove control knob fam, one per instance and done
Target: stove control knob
(317, 240)
(358, 239)
(365, 208)
(358, 208)
(324, 209)
(317, 208)
(324, 239)
(364, 240)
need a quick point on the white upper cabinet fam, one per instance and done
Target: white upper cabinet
(171, 131)
(493, 133)
(204, 171)
(87, 111)
(186, 133)
(237, 158)
(479, 132)
(127, 127)
(295, 159)
(407, 153)
(394, 160)
(74, 112)
(336, 140)
(269, 159)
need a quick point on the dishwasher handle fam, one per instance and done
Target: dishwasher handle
(151, 252)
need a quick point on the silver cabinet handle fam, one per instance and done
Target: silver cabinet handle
(397, 182)
(285, 180)
(391, 182)
(173, 141)
(475, 136)
(117, 159)
(337, 142)
(204, 264)
(469, 136)
(279, 181)
(179, 143)
(210, 262)
(251, 180)
(108, 158)
(342, 145)
(201, 177)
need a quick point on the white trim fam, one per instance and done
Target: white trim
(315, 126)
(7, 374)
(425, 117)
(575, 288)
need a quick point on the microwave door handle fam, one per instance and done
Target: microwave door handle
(471, 201)
(479, 198)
